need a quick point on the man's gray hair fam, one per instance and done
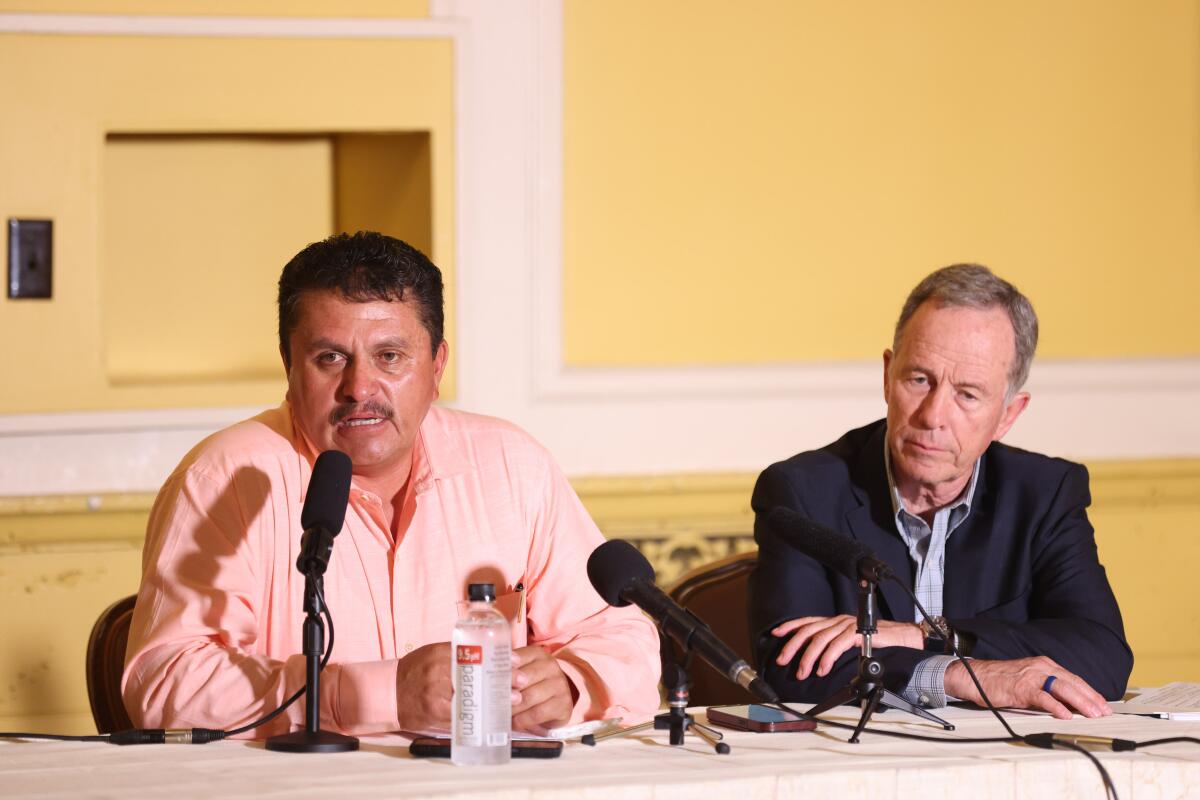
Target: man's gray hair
(976, 286)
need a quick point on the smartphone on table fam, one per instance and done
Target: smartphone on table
(439, 747)
(757, 718)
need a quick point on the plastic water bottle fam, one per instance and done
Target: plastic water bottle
(481, 663)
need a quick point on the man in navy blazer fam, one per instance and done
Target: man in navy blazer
(994, 540)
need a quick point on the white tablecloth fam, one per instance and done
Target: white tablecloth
(802, 765)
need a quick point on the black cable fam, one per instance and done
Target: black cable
(1037, 740)
(132, 736)
(328, 624)
(57, 737)
(303, 689)
(1169, 740)
(949, 637)
(1013, 736)
(1109, 789)
(896, 734)
(189, 735)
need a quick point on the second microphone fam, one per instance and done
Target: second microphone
(622, 575)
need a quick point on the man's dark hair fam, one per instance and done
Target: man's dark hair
(362, 267)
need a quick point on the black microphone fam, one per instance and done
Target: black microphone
(622, 575)
(324, 510)
(841, 553)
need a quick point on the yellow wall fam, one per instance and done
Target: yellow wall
(763, 182)
(384, 183)
(61, 563)
(180, 259)
(138, 219)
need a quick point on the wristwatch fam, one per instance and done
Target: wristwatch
(934, 640)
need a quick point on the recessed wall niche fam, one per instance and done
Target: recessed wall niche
(197, 226)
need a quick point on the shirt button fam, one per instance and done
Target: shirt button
(924, 699)
(408, 647)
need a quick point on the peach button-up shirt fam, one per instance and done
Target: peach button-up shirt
(216, 635)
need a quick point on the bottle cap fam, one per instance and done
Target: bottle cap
(481, 592)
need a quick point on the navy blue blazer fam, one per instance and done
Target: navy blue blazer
(1022, 575)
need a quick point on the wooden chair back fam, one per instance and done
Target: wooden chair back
(716, 593)
(105, 663)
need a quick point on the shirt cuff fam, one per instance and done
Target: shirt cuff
(578, 680)
(362, 696)
(927, 686)
(600, 700)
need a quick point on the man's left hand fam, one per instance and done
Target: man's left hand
(1021, 683)
(826, 638)
(545, 695)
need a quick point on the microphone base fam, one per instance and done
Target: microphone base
(677, 723)
(872, 700)
(676, 720)
(867, 687)
(312, 742)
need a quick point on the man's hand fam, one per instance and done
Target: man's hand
(828, 637)
(544, 697)
(1018, 684)
(424, 688)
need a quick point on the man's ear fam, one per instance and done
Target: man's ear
(1013, 410)
(439, 366)
(887, 362)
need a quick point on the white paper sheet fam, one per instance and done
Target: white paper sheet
(1179, 700)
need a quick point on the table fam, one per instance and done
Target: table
(809, 765)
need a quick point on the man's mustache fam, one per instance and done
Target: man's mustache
(372, 407)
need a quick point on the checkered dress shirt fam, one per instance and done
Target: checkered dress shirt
(927, 549)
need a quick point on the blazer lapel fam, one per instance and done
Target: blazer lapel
(975, 556)
(873, 524)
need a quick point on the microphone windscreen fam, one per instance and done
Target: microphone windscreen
(615, 566)
(328, 492)
(832, 549)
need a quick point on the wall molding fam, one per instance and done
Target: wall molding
(228, 27)
(625, 505)
(96, 422)
(678, 521)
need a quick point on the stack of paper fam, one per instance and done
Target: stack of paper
(1173, 701)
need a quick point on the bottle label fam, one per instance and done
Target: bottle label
(469, 654)
(469, 691)
(481, 695)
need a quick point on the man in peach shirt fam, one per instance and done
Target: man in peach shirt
(439, 499)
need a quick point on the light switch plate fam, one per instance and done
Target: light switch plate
(30, 258)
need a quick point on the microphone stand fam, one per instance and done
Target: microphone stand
(312, 739)
(676, 719)
(867, 688)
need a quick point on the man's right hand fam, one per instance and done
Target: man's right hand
(1018, 684)
(826, 638)
(424, 690)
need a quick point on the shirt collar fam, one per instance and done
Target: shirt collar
(434, 455)
(963, 499)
